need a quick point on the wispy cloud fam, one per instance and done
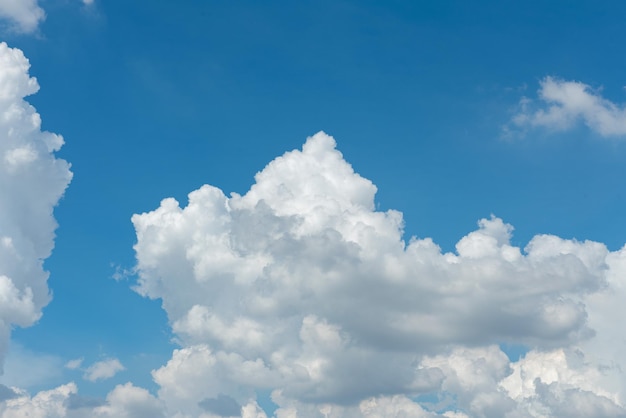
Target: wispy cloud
(561, 105)
(24, 15)
(74, 364)
(104, 369)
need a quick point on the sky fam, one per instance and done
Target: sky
(312, 209)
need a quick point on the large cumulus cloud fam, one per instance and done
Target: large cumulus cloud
(32, 180)
(301, 287)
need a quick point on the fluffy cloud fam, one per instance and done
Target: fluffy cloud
(563, 383)
(32, 180)
(556, 383)
(124, 401)
(46, 404)
(25, 15)
(562, 104)
(302, 288)
(104, 369)
(128, 401)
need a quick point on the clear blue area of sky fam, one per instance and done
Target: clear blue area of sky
(155, 98)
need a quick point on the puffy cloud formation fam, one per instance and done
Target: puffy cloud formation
(46, 404)
(125, 401)
(32, 180)
(24, 15)
(565, 103)
(100, 370)
(128, 401)
(302, 288)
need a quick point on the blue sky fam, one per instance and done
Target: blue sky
(455, 111)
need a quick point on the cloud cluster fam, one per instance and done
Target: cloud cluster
(24, 15)
(302, 288)
(124, 401)
(32, 180)
(562, 104)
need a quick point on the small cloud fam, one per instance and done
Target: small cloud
(561, 105)
(74, 364)
(103, 370)
(87, 2)
(122, 273)
(24, 15)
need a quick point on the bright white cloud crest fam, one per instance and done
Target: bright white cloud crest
(32, 181)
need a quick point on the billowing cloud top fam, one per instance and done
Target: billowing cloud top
(32, 180)
(301, 287)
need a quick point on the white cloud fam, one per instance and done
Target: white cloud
(302, 288)
(25, 15)
(473, 374)
(46, 404)
(374, 407)
(124, 401)
(128, 401)
(563, 104)
(553, 380)
(558, 383)
(104, 369)
(32, 181)
(74, 364)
